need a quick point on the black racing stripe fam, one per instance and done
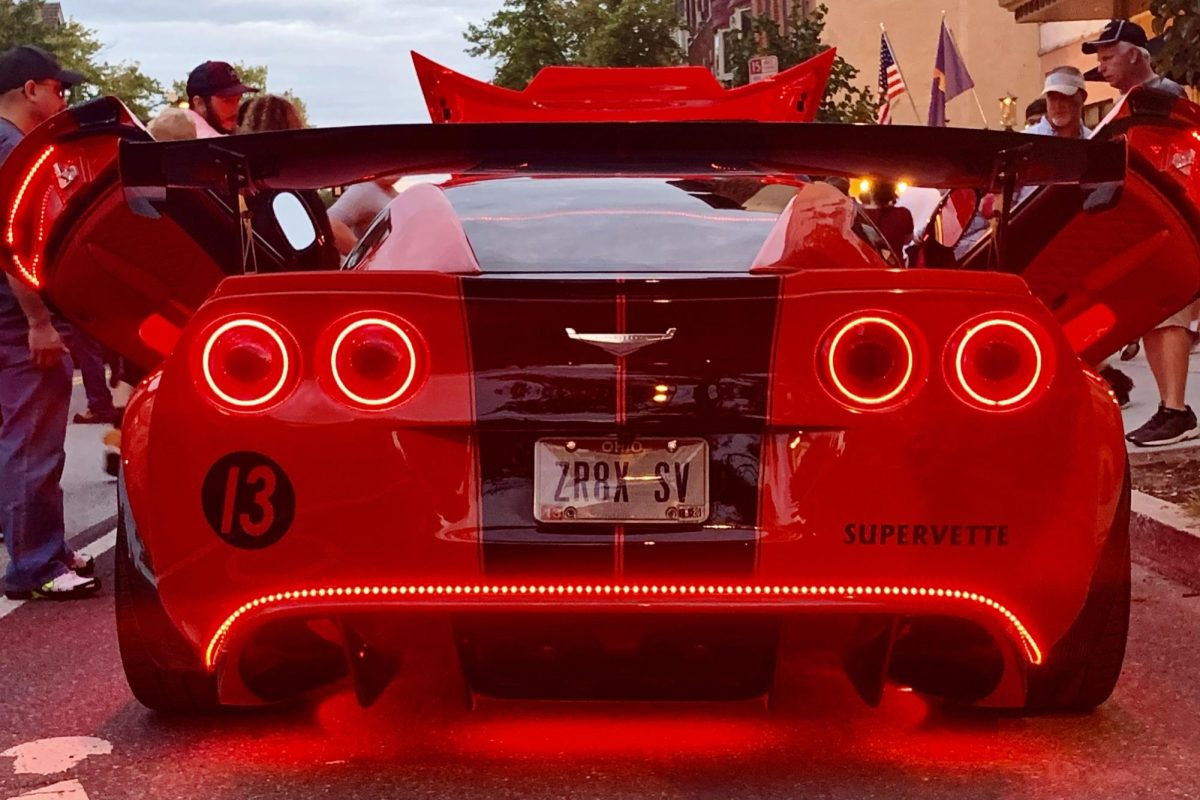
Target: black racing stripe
(514, 545)
(727, 544)
(533, 381)
(526, 367)
(717, 374)
(717, 365)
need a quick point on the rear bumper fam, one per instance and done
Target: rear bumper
(408, 611)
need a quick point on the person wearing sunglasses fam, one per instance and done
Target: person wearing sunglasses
(35, 375)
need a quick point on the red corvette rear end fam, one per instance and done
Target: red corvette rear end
(631, 424)
(530, 490)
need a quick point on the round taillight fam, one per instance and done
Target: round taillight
(377, 361)
(247, 363)
(997, 363)
(869, 361)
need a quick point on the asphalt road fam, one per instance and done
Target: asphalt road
(61, 677)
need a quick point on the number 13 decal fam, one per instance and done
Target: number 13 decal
(248, 500)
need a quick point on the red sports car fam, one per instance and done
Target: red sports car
(619, 409)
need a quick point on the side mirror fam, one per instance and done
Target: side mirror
(294, 221)
(952, 216)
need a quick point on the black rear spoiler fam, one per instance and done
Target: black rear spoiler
(322, 157)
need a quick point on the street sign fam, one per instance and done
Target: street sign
(763, 67)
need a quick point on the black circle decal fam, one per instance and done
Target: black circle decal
(248, 500)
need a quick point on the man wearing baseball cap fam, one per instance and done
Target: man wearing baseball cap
(214, 94)
(1123, 53)
(35, 375)
(1065, 93)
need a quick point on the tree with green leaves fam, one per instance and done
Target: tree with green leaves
(78, 49)
(1178, 22)
(844, 100)
(526, 35)
(250, 74)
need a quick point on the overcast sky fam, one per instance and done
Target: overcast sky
(347, 59)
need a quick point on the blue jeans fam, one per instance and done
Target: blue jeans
(89, 360)
(33, 432)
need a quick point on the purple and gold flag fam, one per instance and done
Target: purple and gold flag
(950, 78)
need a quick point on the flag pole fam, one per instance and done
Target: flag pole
(974, 93)
(907, 90)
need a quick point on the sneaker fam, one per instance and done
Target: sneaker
(67, 586)
(80, 565)
(1167, 426)
(1120, 383)
(1149, 424)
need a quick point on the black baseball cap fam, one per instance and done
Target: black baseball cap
(215, 79)
(28, 63)
(1122, 30)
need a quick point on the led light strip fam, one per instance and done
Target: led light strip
(30, 272)
(1032, 651)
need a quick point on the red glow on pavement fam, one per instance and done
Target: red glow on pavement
(508, 594)
(615, 730)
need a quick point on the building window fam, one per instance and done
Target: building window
(1093, 113)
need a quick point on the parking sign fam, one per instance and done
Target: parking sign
(763, 67)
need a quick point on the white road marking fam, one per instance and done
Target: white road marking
(93, 550)
(48, 756)
(63, 790)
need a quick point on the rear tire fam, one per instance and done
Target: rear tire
(1081, 671)
(144, 632)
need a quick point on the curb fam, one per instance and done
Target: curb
(1165, 539)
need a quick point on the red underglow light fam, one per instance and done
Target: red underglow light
(249, 337)
(482, 593)
(28, 273)
(879, 379)
(1010, 389)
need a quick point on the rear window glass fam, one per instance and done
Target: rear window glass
(617, 224)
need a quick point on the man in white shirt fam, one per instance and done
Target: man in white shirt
(1066, 94)
(357, 208)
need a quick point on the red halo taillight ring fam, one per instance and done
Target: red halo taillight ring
(248, 363)
(870, 360)
(999, 363)
(376, 361)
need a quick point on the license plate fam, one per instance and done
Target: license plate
(603, 480)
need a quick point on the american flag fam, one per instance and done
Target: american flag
(891, 82)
